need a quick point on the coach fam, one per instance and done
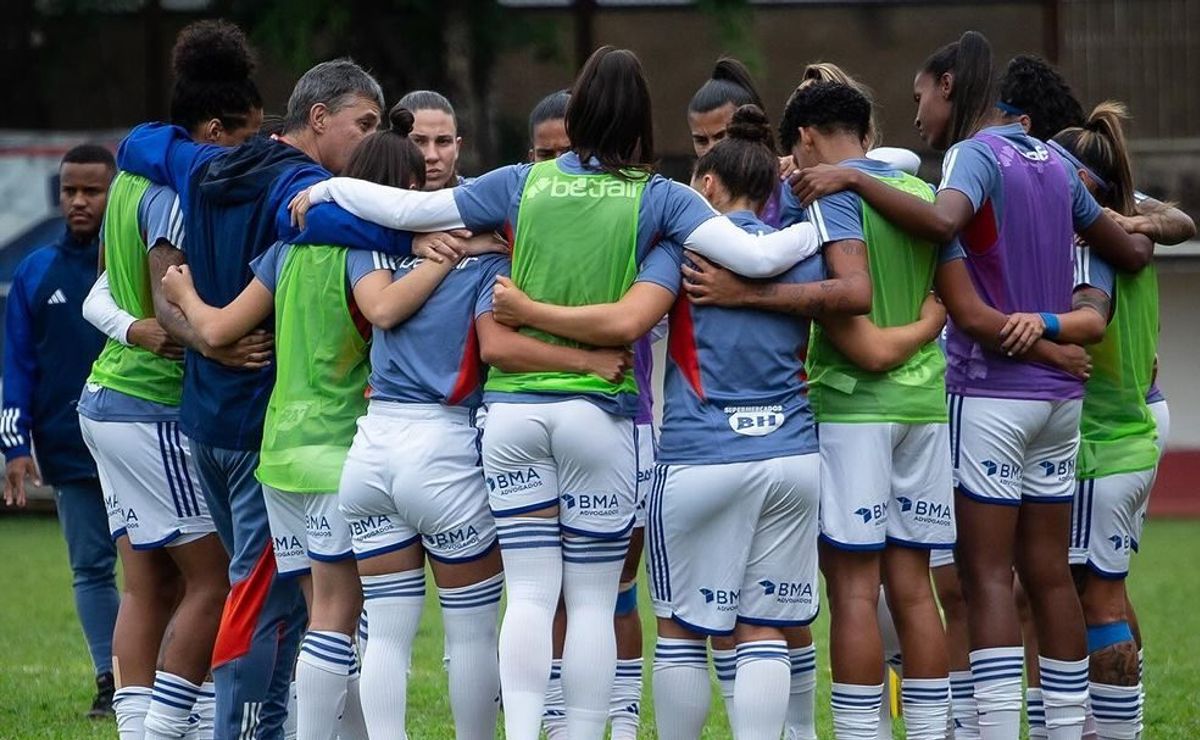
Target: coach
(48, 352)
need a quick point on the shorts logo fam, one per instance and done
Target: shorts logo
(318, 526)
(592, 504)
(755, 421)
(1119, 543)
(1008, 474)
(1063, 469)
(925, 511)
(645, 476)
(514, 481)
(878, 511)
(788, 592)
(724, 599)
(453, 540)
(369, 526)
(288, 545)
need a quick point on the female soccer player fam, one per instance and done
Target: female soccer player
(174, 563)
(435, 132)
(559, 448)
(733, 513)
(1016, 424)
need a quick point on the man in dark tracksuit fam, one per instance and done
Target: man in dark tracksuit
(48, 352)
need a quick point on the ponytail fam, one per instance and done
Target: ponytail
(729, 84)
(830, 72)
(1099, 146)
(973, 93)
(389, 157)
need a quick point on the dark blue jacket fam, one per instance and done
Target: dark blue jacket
(48, 353)
(235, 204)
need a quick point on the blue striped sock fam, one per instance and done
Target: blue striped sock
(1035, 711)
(171, 703)
(761, 689)
(856, 710)
(1064, 695)
(997, 674)
(926, 703)
(681, 689)
(801, 713)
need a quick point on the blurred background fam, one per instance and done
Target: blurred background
(77, 70)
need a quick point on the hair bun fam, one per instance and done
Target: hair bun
(749, 123)
(212, 51)
(401, 120)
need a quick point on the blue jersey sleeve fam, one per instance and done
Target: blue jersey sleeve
(1093, 272)
(971, 169)
(329, 223)
(160, 217)
(661, 267)
(20, 357)
(790, 210)
(165, 155)
(267, 265)
(360, 263)
(1084, 208)
(837, 217)
(675, 209)
(484, 202)
(483, 294)
(952, 251)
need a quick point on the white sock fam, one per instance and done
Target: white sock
(725, 665)
(590, 580)
(1116, 711)
(353, 725)
(1141, 690)
(1064, 695)
(761, 690)
(394, 603)
(1035, 712)
(469, 615)
(997, 674)
(203, 714)
(130, 704)
(926, 703)
(624, 712)
(293, 710)
(362, 632)
(801, 712)
(554, 713)
(170, 706)
(962, 706)
(856, 711)
(533, 573)
(885, 708)
(681, 689)
(322, 670)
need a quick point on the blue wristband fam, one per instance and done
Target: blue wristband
(1053, 327)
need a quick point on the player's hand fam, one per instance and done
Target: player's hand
(1073, 359)
(787, 167)
(611, 364)
(441, 246)
(1020, 332)
(707, 284)
(490, 243)
(510, 305)
(1131, 224)
(933, 315)
(149, 334)
(177, 284)
(251, 352)
(811, 183)
(19, 468)
(299, 208)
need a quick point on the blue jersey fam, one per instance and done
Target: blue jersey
(433, 357)
(160, 220)
(735, 386)
(49, 349)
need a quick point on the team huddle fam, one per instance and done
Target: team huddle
(389, 368)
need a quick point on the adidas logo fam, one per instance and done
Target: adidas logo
(57, 297)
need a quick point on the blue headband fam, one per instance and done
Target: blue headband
(1101, 183)
(1009, 108)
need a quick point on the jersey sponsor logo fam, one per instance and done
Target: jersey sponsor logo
(645, 475)
(452, 540)
(876, 512)
(57, 298)
(1006, 473)
(318, 526)
(592, 504)
(788, 592)
(928, 512)
(1062, 470)
(724, 599)
(409, 263)
(581, 187)
(514, 481)
(755, 421)
(369, 526)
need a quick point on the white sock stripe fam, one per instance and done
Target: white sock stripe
(594, 550)
(331, 640)
(853, 701)
(693, 653)
(524, 535)
(330, 658)
(763, 650)
(407, 584)
(480, 594)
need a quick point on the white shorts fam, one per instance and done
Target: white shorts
(1162, 420)
(1106, 521)
(569, 454)
(305, 527)
(413, 475)
(735, 542)
(941, 558)
(1007, 450)
(647, 453)
(886, 483)
(151, 490)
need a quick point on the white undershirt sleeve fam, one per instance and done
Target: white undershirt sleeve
(753, 255)
(410, 210)
(102, 312)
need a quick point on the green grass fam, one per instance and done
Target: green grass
(46, 684)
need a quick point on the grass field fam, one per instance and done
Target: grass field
(45, 675)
